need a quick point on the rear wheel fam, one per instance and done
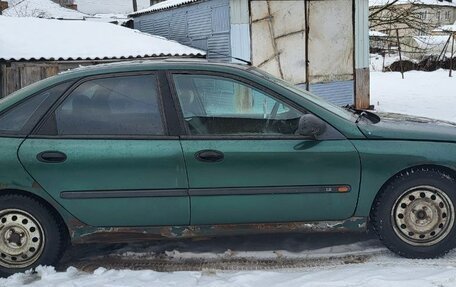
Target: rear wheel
(30, 234)
(415, 214)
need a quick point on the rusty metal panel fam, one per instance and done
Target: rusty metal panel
(81, 233)
(331, 41)
(278, 38)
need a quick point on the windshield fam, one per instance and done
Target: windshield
(344, 113)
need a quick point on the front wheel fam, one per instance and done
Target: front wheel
(30, 234)
(414, 216)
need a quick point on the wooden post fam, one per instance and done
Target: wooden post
(399, 50)
(452, 55)
(135, 6)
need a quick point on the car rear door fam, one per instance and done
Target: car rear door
(104, 151)
(245, 163)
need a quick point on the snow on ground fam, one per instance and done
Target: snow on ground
(427, 94)
(363, 259)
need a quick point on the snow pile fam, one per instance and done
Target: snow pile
(163, 5)
(42, 9)
(426, 94)
(33, 38)
(377, 61)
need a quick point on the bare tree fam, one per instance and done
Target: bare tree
(408, 18)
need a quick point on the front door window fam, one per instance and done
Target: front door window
(215, 105)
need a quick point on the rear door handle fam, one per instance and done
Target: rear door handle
(209, 156)
(51, 157)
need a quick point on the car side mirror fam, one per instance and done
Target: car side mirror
(311, 126)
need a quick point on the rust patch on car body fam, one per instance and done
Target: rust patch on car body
(81, 233)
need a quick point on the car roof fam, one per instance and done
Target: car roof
(120, 67)
(159, 64)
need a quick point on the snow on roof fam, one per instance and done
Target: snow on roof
(27, 38)
(373, 33)
(433, 45)
(162, 6)
(42, 9)
(108, 18)
(374, 3)
(447, 28)
(109, 6)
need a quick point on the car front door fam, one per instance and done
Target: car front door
(104, 152)
(245, 162)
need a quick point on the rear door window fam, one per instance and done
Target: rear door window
(21, 118)
(117, 106)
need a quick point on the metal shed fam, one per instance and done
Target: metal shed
(322, 46)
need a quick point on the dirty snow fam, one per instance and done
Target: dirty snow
(381, 268)
(363, 261)
(22, 38)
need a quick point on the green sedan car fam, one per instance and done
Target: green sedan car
(173, 149)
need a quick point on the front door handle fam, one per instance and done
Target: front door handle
(209, 156)
(51, 157)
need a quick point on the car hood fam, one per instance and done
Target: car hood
(406, 127)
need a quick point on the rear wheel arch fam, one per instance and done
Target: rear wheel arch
(44, 202)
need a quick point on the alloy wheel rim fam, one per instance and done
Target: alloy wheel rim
(21, 239)
(423, 216)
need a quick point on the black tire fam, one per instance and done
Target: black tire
(390, 208)
(51, 228)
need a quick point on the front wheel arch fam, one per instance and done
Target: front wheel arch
(385, 224)
(425, 167)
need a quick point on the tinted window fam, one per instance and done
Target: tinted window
(16, 120)
(113, 106)
(222, 106)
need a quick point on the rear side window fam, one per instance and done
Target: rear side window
(21, 118)
(127, 105)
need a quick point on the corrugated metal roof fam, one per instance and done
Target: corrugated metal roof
(25, 38)
(162, 6)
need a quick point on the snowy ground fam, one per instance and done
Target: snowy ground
(327, 260)
(428, 94)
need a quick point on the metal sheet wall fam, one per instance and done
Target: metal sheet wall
(340, 93)
(203, 25)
